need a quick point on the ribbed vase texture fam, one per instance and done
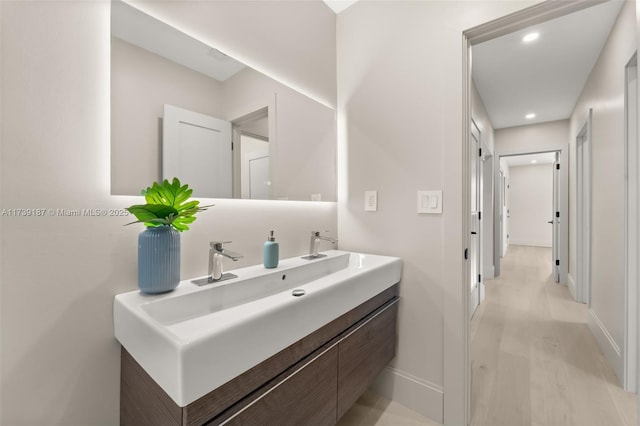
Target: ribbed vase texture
(158, 259)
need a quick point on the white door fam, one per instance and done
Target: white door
(555, 220)
(196, 148)
(474, 250)
(505, 214)
(499, 213)
(487, 217)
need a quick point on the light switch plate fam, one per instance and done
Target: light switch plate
(371, 201)
(430, 202)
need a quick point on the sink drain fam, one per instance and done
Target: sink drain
(298, 292)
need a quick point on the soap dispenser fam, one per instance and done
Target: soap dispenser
(271, 252)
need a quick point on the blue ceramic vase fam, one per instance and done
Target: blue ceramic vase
(158, 259)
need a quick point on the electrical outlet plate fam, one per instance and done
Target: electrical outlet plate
(371, 201)
(430, 202)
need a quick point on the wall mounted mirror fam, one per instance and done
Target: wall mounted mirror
(182, 108)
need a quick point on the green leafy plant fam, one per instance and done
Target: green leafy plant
(168, 204)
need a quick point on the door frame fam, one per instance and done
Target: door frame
(475, 222)
(487, 202)
(498, 216)
(555, 219)
(457, 366)
(630, 374)
(583, 212)
(563, 186)
(238, 129)
(245, 168)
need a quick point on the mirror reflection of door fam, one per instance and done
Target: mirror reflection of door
(255, 181)
(253, 154)
(196, 148)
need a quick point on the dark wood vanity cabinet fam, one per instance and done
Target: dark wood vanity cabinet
(307, 397)
(363, 354)
(312, 382)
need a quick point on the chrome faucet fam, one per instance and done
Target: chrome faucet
(216, 253)
(314, 243)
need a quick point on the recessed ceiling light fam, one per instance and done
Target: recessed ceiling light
(530, 37)
(219, 55)
(530, 116)
(534, 161)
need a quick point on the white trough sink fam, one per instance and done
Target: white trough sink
(195, 339)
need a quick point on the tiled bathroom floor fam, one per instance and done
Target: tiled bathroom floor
(373, 409)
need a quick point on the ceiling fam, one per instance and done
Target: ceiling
(339, 5)
(545, 76)
(138, 28)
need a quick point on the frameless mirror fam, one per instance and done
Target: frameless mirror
(182, 108)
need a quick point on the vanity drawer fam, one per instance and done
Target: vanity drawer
(307, 396)
(364, 353)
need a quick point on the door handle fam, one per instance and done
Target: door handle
(550, 221)
(473, 232)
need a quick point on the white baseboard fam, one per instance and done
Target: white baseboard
(412, 392)
(531, 243)
(572, 287)
(607, 344)
(489, 272)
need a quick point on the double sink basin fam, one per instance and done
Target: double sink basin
(196, 338)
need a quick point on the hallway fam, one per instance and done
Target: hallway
(533, 358)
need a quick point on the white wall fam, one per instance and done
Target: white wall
(60, 362)
(400, 130)
(532, 138)
(604, 92)
(531, 205)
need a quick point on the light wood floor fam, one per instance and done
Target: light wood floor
(375, 410)
(533, 359)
